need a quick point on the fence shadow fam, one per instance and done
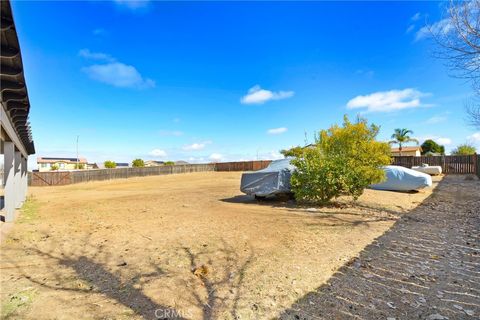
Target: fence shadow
(427, 265)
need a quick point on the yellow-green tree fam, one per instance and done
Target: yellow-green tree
(464, 150)
(138, 163)
(343, 161)
(109, 164)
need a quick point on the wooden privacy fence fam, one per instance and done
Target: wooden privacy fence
(69, 177)
(478, 166)
(449, 164)
(242, 165)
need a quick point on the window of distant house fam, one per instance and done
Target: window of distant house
(62, 165)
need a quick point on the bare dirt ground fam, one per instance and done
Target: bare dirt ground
(426, 267)
(189, 245)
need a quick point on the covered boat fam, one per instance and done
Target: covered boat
(431, 170)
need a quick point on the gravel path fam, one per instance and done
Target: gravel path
(426, 267)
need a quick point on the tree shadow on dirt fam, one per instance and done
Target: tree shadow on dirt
(425, 267)
(222, 292)
(215, 290)
(334, 214)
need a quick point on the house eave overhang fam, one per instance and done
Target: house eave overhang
(13, 90)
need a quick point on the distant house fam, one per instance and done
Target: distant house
(101, 165)
(91, 166)
(432, 154)
(407, 151)
(122, 164)
(63, 164)
(153, 163)
(181, 162)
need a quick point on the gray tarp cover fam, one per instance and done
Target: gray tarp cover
(274, 179)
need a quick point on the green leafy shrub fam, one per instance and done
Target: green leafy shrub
(80, 166)
(293, 152)
(169, 163)
(110, 164)
(54, 167)
(464, 150)
(430, 146)
(343, 161)
(138, 163)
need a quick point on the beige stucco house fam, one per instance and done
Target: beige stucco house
(407, 151)
(62, 164)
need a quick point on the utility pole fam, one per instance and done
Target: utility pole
(78, 167)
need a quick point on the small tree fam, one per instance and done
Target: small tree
(80, 166)
(169, 163)
(138, 163)
(343, 161)
(292, 152)
(432, 147)
(464, 150)
(401, 137)
(110, 164)
(54, 167)
(458, 37)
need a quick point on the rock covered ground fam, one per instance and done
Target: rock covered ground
(426, 267)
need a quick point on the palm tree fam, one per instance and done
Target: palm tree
(401, 137)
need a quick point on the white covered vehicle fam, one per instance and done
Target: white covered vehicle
(403, 179)
(274, 179)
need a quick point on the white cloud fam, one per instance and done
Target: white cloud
(366, 72)
(86, 53)
(443, 141)
(441, 27)
(196, 159)
(416, 16)
(119, 75)
(436, 119)
(133, 4)
(272, 155)
(385, 101)
(158, 153)
(440, 140)
(410, 28)
(216, 157)
(474, 138)
(114, 72)
(196, 146)
(257, 95)
(100, 32)
(277, 130)
(175, 133)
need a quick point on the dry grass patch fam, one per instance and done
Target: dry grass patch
(189, 242)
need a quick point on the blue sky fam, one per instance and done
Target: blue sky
(229, 81)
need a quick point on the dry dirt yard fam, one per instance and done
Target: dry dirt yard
(189, 245)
